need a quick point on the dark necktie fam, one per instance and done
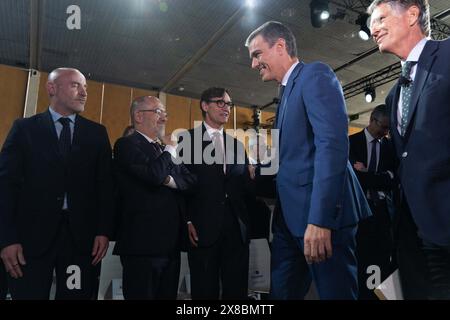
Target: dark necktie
(158, 147)
(406, 86)
(280, 97)
(65, 140)
(373, 168)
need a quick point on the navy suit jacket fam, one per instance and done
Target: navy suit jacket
(33, 174)
(315, 182)
(424, 151)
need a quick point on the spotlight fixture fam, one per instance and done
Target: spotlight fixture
(319, 12)
(369, 92)
(364, 32)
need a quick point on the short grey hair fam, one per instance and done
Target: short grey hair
(135, 106)
(271, 31)
(424, 7)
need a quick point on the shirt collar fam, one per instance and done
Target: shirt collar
(369, 137)
(288, 73)
(146, 137)
(212, 130)
(56, 116)
(416, 51)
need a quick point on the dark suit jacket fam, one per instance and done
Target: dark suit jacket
(32, 178)
(381, 180)
(207, 203)
(151, 213)
(424, 151)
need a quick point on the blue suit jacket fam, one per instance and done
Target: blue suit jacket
(424, 151)
(315, 182)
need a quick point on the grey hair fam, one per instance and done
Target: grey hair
(271, 31)
(424, 8)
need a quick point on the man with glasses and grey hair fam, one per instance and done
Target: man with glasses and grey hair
(151, 204)
(420, 114)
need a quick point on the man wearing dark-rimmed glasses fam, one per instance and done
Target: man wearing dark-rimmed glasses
(217, 219)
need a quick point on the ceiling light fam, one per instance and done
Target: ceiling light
(364, 32)
(370, 94)
(319, 12)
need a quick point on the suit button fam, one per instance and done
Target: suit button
(59, 198)
(226, 195)
(404, 154)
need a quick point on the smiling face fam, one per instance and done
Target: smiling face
(395, 29)
(267, 60)
(67, 91)
(217, 113)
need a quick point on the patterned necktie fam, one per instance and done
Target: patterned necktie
(218, 149)
(65, 140)
(280, 97)
(406, 95)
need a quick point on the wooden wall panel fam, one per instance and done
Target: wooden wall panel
(353, 130)
(43, 102)
(179, 110)
(13, 86)
(116, 106)
(196, 113)
(136, 92)
(93, 107)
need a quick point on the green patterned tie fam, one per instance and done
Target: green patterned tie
(406, 95)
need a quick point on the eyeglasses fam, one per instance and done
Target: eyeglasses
(158, 111)
(222, 103)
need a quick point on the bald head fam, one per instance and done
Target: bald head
(66, 88)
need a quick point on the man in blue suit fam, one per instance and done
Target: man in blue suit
(420, 116)
(319, 198)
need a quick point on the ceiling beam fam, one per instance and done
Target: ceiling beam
(216, 37)
(36, 16)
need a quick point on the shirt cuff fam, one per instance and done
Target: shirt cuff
(172, 150)
(171, 184)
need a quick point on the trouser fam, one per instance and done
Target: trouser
(76, 277)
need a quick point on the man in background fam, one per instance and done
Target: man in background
(372, 157)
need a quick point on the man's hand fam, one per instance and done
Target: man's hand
(317, 244)
(101, 244)
(12, 257)
(360, 166)
(193, 234)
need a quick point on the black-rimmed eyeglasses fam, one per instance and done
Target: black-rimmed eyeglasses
(222, 103)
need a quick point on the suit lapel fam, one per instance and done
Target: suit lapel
(364, 148)
(287, 92)
(425, 62)
(46, 123)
